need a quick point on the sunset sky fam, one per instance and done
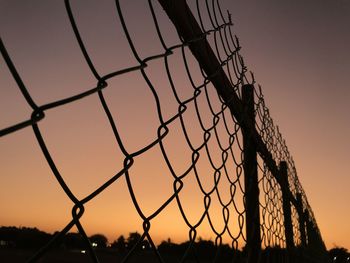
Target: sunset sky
(298, 51)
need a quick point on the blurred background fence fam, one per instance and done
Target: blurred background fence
(244, 174)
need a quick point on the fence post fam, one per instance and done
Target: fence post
(301, 219)
(251, 178)
(307, 224)
(288, 227)
(312, 234)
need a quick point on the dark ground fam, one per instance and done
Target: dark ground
(11, 255)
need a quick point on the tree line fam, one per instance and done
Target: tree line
(33, 238)
(28, 237)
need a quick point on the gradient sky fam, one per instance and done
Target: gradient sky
(298, 50)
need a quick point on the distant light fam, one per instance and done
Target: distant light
(348, 259)
(143, 246)
(83, 251)
(335, 258)
(94, 244)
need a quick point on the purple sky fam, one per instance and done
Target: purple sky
(299, 52)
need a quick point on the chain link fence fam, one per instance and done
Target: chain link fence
(209, 113)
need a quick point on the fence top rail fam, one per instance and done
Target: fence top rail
(191, 32)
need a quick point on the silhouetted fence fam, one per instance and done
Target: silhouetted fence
(237, 146)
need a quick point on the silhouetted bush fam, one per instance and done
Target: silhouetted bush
(119, 244)
(24, 237)
(339, 255)
(100, 240)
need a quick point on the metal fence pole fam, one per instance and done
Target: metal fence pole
(301, 216)
(286, 205)
(309, 229)
(251, 178)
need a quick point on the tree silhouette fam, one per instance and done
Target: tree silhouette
(98, 240)
(24, 237)
(339, 255)
(133, 238)
(119, 244)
